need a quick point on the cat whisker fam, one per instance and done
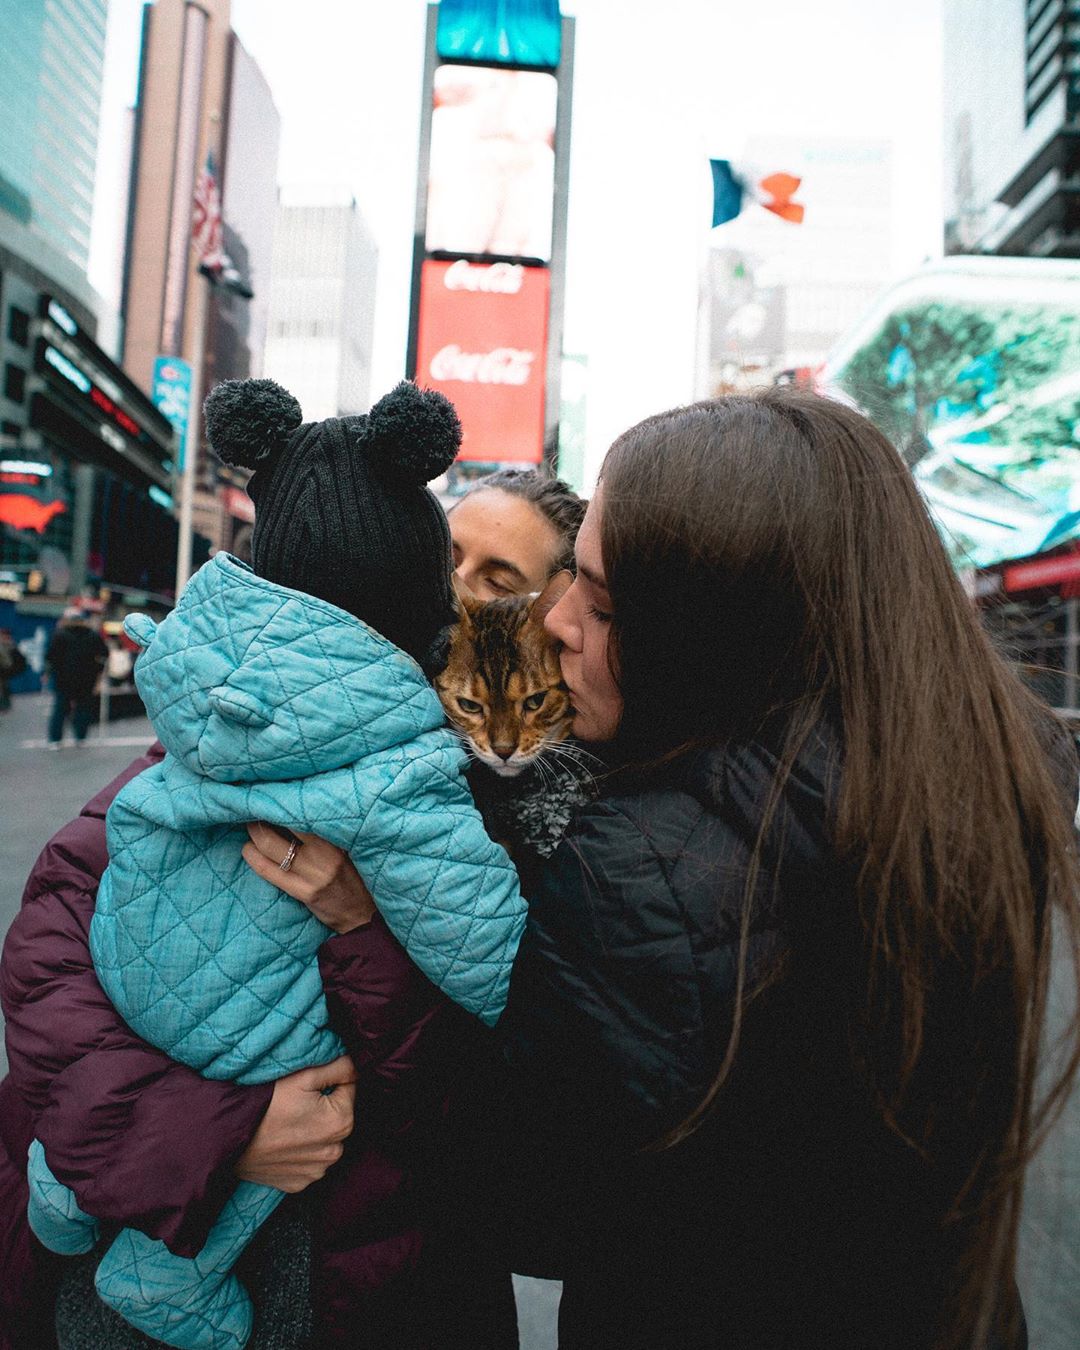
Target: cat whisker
(577, 752)
(570, 758)
(547, 775)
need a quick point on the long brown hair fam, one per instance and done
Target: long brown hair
(770, 554)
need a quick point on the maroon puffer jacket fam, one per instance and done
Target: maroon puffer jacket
(146, 1142)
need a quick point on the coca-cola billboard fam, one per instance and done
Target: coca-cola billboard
(482, 342)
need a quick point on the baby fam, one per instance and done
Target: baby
(292, 692)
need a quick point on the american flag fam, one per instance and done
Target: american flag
(206, 223)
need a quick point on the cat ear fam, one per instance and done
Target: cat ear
(467, 602)
(549, 597)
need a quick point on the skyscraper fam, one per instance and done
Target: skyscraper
(85, 457)
(322, 306)
(1012, 128)
(178, 119)
(200, 93)
(51, 60)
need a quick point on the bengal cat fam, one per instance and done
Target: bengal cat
(502, 687)
(503, 693)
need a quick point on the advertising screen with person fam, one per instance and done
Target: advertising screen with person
(492, 175)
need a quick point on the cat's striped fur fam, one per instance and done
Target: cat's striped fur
(502, 687)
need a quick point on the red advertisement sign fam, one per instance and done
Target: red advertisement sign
(1028, 576)
(482, 343)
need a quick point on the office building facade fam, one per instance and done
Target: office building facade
(51, 62)
(1012, 128)
(85, 457)
(322, 307)
(200, 93)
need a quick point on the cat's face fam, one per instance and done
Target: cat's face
(502, 687)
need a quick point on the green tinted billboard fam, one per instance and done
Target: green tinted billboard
(972, 367)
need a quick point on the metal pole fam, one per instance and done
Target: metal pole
(82, 527)
(194, 434)
(103, 703)
(1072, 637)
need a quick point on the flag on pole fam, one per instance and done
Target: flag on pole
(774, 193)
(208, 234)
(206, 221)
(727, 192)
(780, 188)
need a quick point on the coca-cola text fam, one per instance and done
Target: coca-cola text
(503, 365)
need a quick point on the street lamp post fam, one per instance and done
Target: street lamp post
(194, 432)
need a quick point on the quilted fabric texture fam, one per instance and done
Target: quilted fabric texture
(54, 1214)
(188, 1303)
(275, 706)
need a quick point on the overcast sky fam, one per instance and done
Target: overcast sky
(659, 87)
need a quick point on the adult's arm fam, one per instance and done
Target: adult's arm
(140, 1139)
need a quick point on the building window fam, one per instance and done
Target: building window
(14, 383)
(1045, 49)
(18, 329)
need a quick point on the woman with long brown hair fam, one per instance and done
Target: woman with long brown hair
(773, 1030)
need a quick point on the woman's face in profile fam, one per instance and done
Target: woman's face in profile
(502, 544)
(581, 621)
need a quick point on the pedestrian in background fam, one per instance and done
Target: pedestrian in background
(12, 665)
(76, 656)
(120, 664)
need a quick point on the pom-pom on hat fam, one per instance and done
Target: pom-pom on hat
(341, 507)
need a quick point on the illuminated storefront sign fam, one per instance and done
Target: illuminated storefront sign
(113, 414)
(24, 472)
(482, 342)
(60, 316)
(489, 240)
(27, 513)
(239, 505)
(68, 369)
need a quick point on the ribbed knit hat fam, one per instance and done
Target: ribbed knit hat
(341, 507)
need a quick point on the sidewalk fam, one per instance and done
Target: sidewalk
(43, 789)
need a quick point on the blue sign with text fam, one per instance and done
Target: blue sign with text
(170, 391)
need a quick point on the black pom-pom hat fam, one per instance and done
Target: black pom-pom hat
(341, 507)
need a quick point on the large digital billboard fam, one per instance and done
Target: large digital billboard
(526, 33)
(972, 367)
(482, 342)
(491, 183)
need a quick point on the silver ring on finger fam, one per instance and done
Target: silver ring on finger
(290, 857)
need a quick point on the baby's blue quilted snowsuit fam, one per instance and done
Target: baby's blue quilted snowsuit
(272, 706)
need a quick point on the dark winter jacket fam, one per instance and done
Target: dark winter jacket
(76, 656)
(146, 1142)
(792, 1219)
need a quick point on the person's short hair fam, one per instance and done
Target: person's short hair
(556, 501)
